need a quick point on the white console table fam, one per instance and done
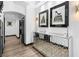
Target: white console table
(51, 47)
(60, 39)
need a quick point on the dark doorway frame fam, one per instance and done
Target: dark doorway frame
(4, 28)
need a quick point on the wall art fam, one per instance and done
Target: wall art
(43, 19)
(59, 15)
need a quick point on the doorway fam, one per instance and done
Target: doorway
(21, 30)
(13, 30)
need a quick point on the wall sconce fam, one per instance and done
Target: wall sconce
(36, 19)
(77, 8)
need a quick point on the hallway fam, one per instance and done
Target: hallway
(14, 48)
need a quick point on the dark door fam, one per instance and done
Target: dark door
(21, 30)
(1, 30)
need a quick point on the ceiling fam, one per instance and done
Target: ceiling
(21, 3)
(24, 3)
(12, 16)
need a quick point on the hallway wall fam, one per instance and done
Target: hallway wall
(13, 17)
(74, 28)
(29, 23)
(32, 12)
(51, 30)
(12, 30)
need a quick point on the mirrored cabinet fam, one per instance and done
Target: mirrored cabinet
(51, 45)
(1, 29)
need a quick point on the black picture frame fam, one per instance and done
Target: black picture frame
(9, 23)
(66, 4)
(46, 25)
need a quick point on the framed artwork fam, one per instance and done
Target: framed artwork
(59, 15)
(9, 23)
(43, 19)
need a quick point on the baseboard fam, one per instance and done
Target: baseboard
(17, 37)
(59, 45)
(9, 35)
(28, 44)
(39, 51)
(12, 35)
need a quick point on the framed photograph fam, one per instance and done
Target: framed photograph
(59, 15)
(9, 23)
(43, 19)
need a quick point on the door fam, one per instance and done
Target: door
(21, 30)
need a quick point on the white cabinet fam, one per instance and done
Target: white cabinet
(41, 36)
(59, 40)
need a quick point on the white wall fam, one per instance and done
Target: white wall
(52, 30)
(12, 30)
(74, 28)
(14, 17)
(29, 23)
(49, 29)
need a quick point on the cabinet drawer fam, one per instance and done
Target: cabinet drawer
(59, 40)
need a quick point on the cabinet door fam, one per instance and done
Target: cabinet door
(1, 28)
(59, 40)
(47, 38)
(1, 46)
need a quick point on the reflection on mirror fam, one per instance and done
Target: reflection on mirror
(51, 45)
